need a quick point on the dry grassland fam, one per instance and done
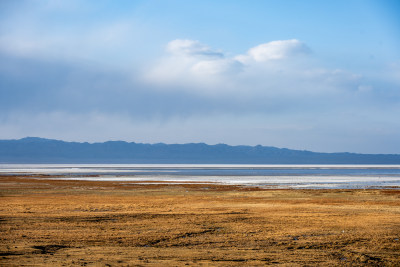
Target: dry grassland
(53, 223)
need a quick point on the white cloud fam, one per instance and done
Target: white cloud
(191, 64)
(275, 50)
(274, 70)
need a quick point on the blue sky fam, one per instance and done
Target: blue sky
(315, 75)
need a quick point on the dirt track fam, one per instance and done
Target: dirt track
(49, 222)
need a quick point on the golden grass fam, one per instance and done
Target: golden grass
(49, 222)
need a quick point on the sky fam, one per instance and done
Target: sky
(311, 75)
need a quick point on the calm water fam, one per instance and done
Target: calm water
(281, 176)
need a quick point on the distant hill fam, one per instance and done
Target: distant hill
(39, 150)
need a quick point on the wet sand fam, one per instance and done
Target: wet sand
(60, 222)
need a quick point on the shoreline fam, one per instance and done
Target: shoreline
(291, 182)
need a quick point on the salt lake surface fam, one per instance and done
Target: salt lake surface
(268, 176)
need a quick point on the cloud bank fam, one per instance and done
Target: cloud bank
(283, 72)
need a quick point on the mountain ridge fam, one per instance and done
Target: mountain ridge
(42, 150)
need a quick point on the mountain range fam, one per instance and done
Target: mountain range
(40, 150)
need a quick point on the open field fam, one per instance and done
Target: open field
(55, 222)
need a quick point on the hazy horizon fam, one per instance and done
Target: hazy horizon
(306, 75)
(38, 140)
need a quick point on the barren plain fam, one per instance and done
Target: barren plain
(92, 223)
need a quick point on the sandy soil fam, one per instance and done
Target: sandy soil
(54, 223)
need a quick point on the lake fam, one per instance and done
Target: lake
(267, 176)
